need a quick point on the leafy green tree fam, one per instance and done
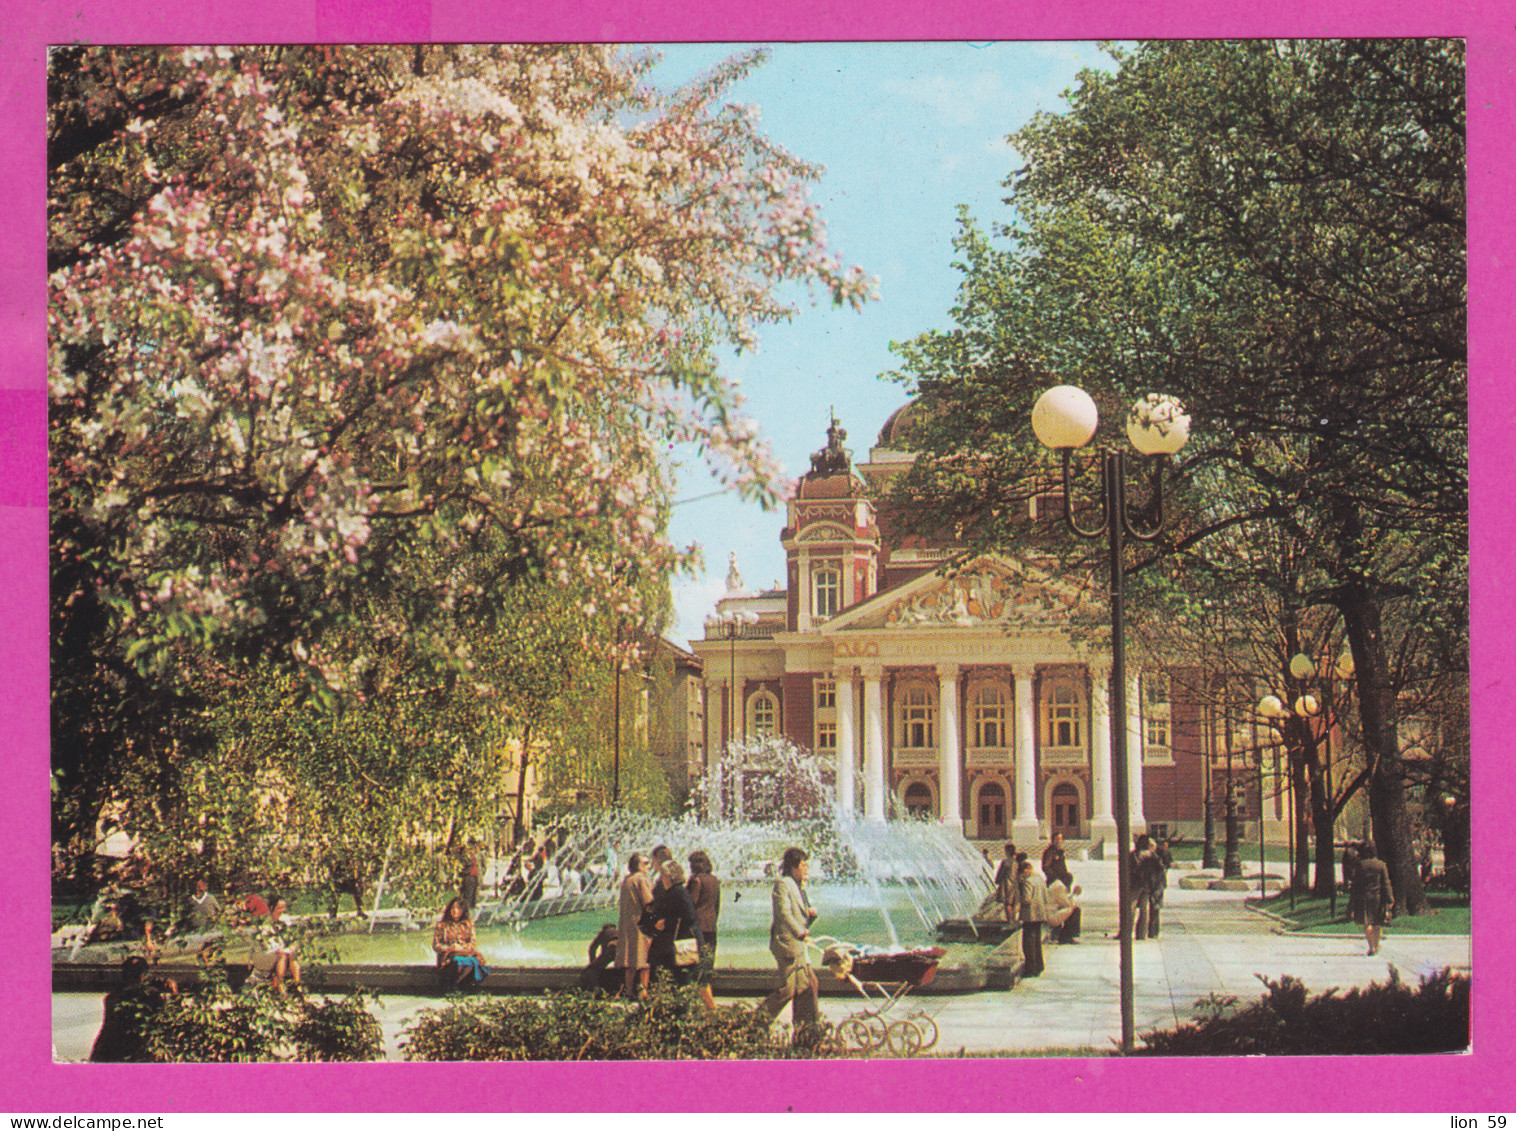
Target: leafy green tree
(1274, 233)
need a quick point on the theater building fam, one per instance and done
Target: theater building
(978, 697)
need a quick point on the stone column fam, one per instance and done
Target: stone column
(949, 786)
(1025, 830)
(873, 745)
(847, 753)
(1136, 741)
(1103, 817)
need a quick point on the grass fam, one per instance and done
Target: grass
(1448, 914)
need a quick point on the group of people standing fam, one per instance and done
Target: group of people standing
(1039, 902)
(1148, 869)
(666, 920)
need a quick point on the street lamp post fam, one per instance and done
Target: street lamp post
(728, 626)
(1064, 419)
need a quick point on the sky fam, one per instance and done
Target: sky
(906, 133)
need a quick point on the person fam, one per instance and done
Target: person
(458, 959)
(137, 922)
(1064, 913)
(277, 961)
(661, 853)
(1143, 865)
(1158, 876)
(1373, 896)
(671, 916)
(1350, 878)
(705, 894)
(1006, 890)
(202, 910)
(252, 907)
(468, 883)
(347, 879)
(631, 943)
(1033, 906)
(108, 928)
(1055, 863)
(598, 973)
(788, 930)
(120, 1040)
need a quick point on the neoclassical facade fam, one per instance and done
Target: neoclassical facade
(978, 697)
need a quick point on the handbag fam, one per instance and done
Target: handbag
(686, 952)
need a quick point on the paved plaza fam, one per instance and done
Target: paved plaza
(1209, 944)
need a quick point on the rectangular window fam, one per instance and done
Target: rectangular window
(826, 593)
(826, 737)
(826, 695)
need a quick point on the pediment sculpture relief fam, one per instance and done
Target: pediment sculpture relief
(984, 597)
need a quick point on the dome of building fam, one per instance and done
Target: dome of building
(896, 433)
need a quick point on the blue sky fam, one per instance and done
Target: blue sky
(906, 133)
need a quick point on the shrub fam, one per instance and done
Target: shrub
(340, 1029)
(670, 1024)
(1388, 1018)
(212, 1023)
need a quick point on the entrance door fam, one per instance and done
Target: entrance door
(1065, 804)
(992, 812)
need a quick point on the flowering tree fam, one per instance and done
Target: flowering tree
(312, 306)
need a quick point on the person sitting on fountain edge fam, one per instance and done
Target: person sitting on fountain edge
(458, 959)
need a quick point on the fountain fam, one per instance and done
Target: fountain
(883, 883)
(886, 884)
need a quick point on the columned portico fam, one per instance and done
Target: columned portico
(873, 744)
(1025, 829)
(847, 753)
(950, 792)
(1103, 816)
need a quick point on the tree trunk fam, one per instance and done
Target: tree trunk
(1381, 741)
(526, 758)
(1321, 818)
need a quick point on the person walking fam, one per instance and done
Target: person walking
(705, 893)
(788, 930)
(631, 943)
(1350, 878)
(1033, 907)
(1373, 896)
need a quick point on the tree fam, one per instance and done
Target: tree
(312, 306)
(1272, 232)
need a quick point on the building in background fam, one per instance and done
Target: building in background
(979, 696)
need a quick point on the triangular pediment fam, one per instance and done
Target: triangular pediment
(990, 590)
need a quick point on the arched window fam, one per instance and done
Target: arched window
(917, 712)
(826, 592)
(918, 800)
(763, 714)
(987, 710)
(1062, 713)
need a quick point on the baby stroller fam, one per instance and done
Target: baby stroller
(883, 979)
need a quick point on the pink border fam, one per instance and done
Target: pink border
(32, 1082)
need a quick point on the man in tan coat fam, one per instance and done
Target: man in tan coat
(790, 927)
